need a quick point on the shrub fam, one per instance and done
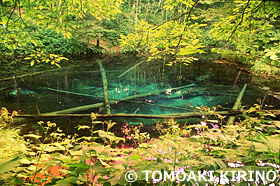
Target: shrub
(263, 68)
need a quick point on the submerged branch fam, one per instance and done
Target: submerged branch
(131, 69)
(32, 74)
(96, 105)
(72, 93)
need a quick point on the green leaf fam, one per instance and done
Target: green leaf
(8, 165)
(32, 136)
(18, 181)
(32, 168)
(107, 184)
(83, 127)
(135, 156)
(25, 161)
(274, 57)
(187, 51)
(57, 65)
(66, 181)
(32, 63)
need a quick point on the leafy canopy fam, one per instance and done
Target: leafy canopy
(173, 37)
(20, 19)
(249, 28)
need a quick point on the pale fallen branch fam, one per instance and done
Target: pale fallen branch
(96, 105)
(237, 104)
(105, 86)
(131, 69)
(69, 92)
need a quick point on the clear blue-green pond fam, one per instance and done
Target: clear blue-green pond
(216, 84)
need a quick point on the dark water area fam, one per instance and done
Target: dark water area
(216, 84)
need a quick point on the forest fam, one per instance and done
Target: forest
(140, 92)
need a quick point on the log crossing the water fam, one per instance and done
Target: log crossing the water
(237, 104)
(105, 86)
(148, 116)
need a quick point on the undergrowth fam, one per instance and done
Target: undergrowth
(102, 158)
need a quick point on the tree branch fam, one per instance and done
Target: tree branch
(257, 7)
(12, 12)
(189, 15)
(242, 17)
(186, 13)
(19, 12)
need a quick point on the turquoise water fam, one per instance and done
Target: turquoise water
(216, 84)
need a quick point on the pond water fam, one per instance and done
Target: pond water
(215, 84)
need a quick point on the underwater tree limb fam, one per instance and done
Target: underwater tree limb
(69, 92)
(237, 77)
(139, 102)
(3, 88)
(32, 74)
(237, 104)
(96, 105)
(99, 97)
(131, 69)
(157, 105)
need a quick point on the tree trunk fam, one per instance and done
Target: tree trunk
(105, 86)
(237, 104)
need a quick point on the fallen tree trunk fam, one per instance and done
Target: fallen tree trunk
(96, 105)
(160, 116)
(105, 86)
(237, 104)
(176, 116)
